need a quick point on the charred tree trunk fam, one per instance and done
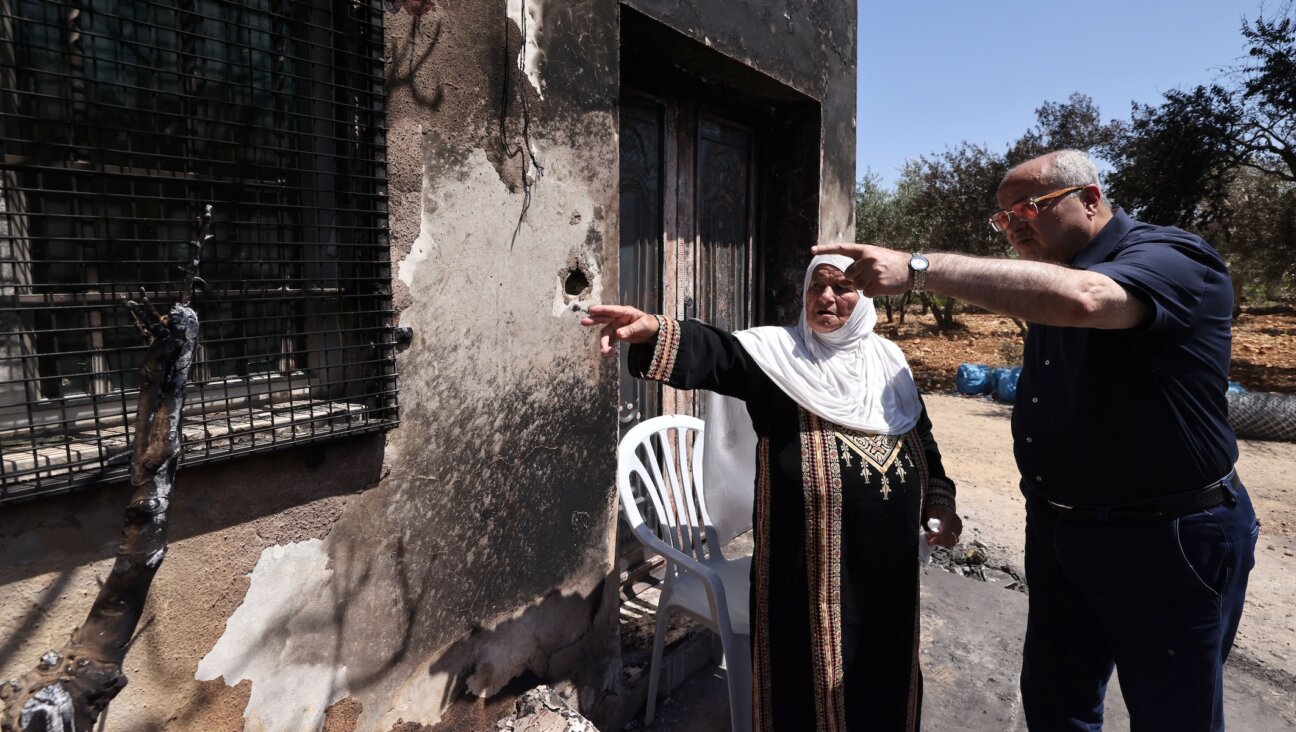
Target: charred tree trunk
(70, 687)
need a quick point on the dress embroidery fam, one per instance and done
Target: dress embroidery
(822, 487)
(878, 451)
(666, 350)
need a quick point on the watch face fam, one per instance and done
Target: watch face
(918, 263)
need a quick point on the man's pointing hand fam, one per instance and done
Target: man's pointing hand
(877, 271)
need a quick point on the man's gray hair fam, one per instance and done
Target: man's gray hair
(1070, 168)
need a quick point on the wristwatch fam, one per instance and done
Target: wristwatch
(918, 265)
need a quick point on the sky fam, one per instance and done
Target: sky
(933, 73)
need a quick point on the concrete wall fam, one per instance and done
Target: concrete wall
(426, 577)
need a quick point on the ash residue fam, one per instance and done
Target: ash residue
(979, 561)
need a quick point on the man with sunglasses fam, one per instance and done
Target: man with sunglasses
(1139, 534)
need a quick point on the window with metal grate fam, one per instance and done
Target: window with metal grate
(119, 120)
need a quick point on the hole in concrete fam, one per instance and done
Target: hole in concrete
(577, 283)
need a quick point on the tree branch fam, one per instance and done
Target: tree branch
(71, 687)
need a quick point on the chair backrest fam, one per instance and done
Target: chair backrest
(659, 463)
(729, 466)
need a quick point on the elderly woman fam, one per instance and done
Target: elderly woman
(846, 470)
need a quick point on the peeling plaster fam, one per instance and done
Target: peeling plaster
(506, 410)
(529, 57)
(423, 247)
(288, 695)
(467, 275)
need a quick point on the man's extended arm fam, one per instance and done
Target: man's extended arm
(1037, 292)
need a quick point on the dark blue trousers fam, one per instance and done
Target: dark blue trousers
(1159, 600)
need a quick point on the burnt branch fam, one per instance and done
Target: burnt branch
(70, 688)
(195, 255)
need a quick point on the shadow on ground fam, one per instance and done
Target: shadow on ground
(972, 633)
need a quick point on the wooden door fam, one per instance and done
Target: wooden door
(642, 192)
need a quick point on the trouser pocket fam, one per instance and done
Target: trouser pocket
(1206, 549)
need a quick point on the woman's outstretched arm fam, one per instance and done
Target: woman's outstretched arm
(685, 354)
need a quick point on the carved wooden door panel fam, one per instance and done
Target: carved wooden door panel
(725, 225)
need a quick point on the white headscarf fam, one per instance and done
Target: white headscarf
(851, 376)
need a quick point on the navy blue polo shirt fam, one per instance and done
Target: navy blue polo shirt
(1107, 417)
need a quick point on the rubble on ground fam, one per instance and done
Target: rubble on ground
(543, 710)
(976, 560)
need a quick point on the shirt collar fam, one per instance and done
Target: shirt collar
(1102, 245)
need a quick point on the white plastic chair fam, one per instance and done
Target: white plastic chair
(660, 460)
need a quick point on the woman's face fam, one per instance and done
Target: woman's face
(829, 299)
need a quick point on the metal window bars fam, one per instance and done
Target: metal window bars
(118, 121)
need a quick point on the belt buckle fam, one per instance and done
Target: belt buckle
(1231, 494)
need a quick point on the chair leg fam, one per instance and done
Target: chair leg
(738, 673)
(659, 644)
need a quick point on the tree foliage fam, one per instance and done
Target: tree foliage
(1255, 231)
(878, 218)
(1218, 159)
(1268, 94)
(1172, 161)
(1075, 124)
(953, 192)
(941, 202)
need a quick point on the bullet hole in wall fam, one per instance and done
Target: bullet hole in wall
(577, 284)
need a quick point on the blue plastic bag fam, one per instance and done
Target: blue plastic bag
(1236, 388)
(972, 378)
(995, 375)
(1006, 389)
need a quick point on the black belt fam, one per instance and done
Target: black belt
(1182, 504)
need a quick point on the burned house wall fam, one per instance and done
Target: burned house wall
(477, 558)
(427, 576)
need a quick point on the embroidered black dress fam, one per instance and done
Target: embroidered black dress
(834, 601)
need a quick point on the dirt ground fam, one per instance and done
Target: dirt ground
(1264, 348)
